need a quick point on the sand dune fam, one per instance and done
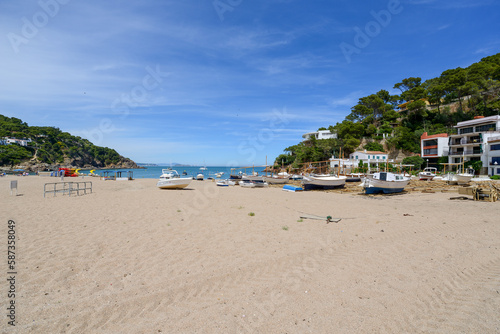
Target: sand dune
(130, 258)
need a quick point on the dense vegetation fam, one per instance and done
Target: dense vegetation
(432, 106)
(51, 145)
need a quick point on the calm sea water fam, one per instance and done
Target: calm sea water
(154, 172)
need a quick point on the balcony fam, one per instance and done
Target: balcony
(473, 152)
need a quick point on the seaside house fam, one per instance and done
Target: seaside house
(374, 158)
(493, 155)
(404, 106)
(472, 143)
(21, 142)
(434, 146)
(321, 134)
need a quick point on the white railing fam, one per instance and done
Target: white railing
(67, 188)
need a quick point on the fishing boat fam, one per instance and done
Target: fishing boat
(200, 177)
(385, 182)
(427, 174)
(170, 179)
(324, 181)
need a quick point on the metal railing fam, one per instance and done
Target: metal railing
(67, 188)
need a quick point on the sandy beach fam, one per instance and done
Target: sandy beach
(130, 258)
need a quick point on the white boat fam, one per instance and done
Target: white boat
(170, 179)
(384, 182)
(427, 174)
(253, 183)
(354, 177)
(323, 181)
(465, 177)
(247, 184)
(225, 183)
(200, 177)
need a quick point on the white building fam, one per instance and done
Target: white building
(22, 142)
(470, 144)
(321, 134)
(434, 146)
(493, 155)
(372, 157)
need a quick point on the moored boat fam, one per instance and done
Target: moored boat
(385, 182)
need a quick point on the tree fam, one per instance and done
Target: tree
(374, 146)
(416, 161)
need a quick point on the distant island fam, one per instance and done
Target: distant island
(38, 148)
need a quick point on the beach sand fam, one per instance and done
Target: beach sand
(130, 258)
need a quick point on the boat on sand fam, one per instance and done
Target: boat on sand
(170, 179)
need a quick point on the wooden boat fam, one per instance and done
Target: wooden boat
(385, 182)
(323, 181)
(170, 179)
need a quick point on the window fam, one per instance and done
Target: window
(383, 158)
(432, 142)
(356, 157)
(495, 147)
(487, 127)
(466, 130)
(430, 151)
(378, 157)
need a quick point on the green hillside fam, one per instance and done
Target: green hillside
(395, 122)
(51, 146)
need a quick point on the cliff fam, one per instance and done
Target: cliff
(41, 148)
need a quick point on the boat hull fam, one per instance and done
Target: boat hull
(386, 184)
(378, 190)
(173, 184)
(276, 180)
(324, 182)
(463, 178)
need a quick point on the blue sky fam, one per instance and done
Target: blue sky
(226, 81)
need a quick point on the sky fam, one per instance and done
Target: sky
(222, 82)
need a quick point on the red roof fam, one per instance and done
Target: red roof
(426, 136)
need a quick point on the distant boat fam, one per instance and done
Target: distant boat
(384, 182)
(323, 181)
(203, 168)
(170, 179)
(427, 174)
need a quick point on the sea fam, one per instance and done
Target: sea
(154, 172)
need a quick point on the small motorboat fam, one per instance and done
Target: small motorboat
(428, 174)
(170, 179)
(225, 183)
(200, 177)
